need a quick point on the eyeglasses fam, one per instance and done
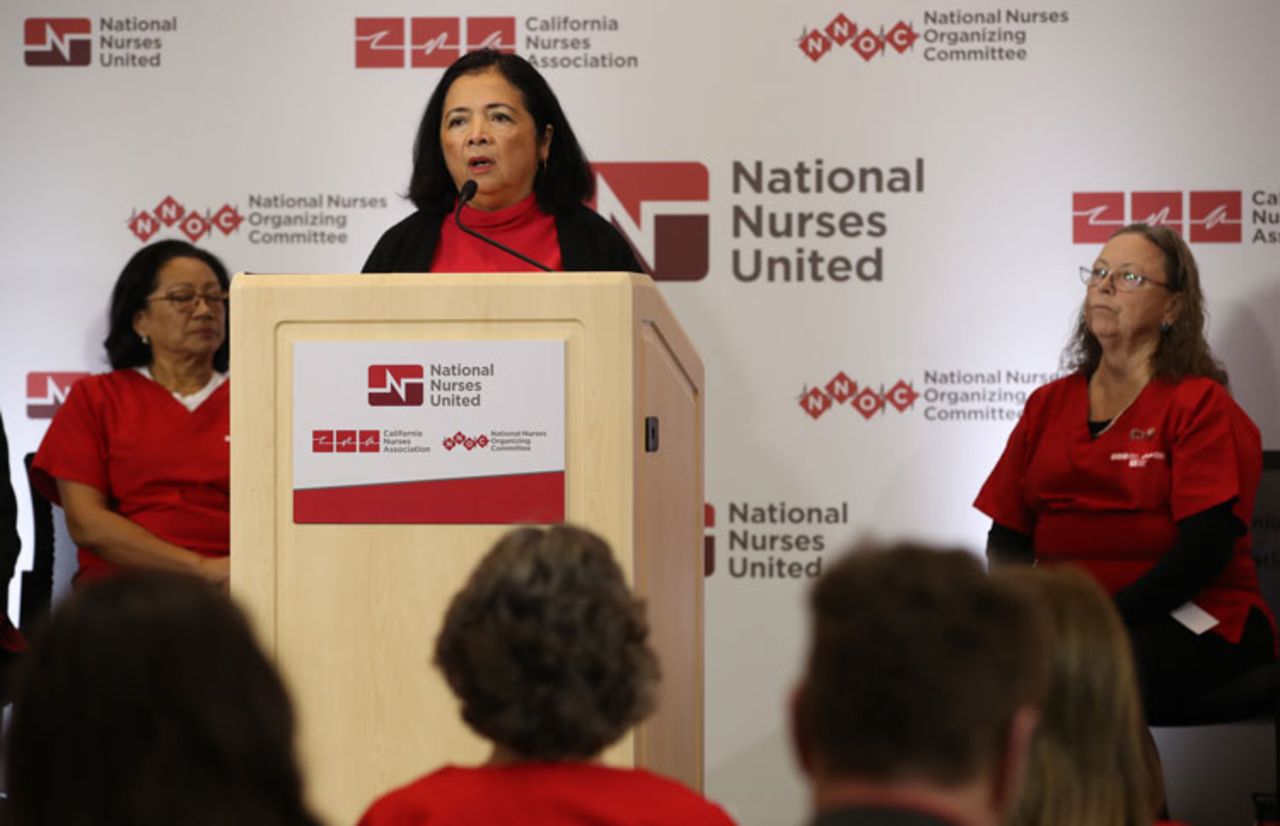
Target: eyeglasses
(1125, 280)
(185, 300)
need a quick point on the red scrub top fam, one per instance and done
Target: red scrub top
(544, 794)
(522, 226)
(1111, 503)
(159, 464)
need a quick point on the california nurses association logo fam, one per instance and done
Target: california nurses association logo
(57, 41)
(428, 42)
(663, 210)
(1202, 216)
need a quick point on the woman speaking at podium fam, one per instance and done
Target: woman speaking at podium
(496, 161)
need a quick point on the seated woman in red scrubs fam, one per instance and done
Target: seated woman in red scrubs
(1141, 468)
(547, 651)
(494, 122)
(139, 458)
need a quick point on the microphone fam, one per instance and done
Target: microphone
(468, 192)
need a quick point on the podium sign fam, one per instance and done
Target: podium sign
(429, 432)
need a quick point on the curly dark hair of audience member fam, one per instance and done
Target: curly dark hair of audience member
(546, 647)
(564, 181)
(918, 666)
(129, 297)
(1092, 760)
(1183, 350)
(146, 701)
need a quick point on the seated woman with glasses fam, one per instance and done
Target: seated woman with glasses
(548, 654)
(139, 458)
(1139, 467)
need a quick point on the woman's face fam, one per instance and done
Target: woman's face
(184, 316)
(488, 136)
(1130, 317)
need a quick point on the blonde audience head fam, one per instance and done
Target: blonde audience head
(1092, 761)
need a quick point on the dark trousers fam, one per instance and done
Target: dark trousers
(1176, 666)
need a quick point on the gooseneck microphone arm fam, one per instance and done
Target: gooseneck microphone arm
(468, 192)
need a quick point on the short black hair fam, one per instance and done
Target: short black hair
(137, 281)
(546, 647)
(565, 180)
(146, 701)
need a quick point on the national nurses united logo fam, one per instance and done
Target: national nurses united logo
(1201, 216)
(663, 210)
(396, 385)
(57, 41)
(46, 391)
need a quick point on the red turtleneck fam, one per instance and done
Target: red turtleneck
(521, 226)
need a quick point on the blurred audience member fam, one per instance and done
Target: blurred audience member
(548, 653)
(921, 692)
(147, 702)
(1092, 759)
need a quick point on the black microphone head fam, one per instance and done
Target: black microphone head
(468, 191)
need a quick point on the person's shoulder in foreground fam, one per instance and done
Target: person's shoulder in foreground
(544, 793)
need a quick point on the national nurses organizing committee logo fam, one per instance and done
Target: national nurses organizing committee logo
(867, 400)
(662, 209)
(396, 385)
(193, 223)
(47, 390)
(1202, 216)
(462, 440)
(865, 41)
(428, 42)
(57, 41)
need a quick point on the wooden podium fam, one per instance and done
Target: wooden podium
(350, 612)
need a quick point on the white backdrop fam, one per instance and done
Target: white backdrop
(992, 128)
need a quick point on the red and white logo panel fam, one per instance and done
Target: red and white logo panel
(379, 42)
(46, 392)
(57, 41)
(497, 33)
(1095, 216)
(1216, 217)
(663, 210)
(396, 385)
(435, 42)
(1159, 209)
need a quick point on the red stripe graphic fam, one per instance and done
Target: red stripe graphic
(535, 498)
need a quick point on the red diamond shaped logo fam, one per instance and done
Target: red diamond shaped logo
(227, 219)
(868, 403)
(841, 29)
(901, 36)
(169, 211)
(902, 395)
(841, 388)
(144, 225)
(868, 44)
(195, 226)
(815, 403)
(815, 44)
